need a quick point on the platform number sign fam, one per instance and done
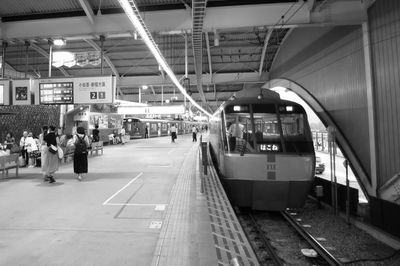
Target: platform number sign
(93, 95)
(94, 90)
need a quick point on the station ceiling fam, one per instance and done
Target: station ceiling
(240, 40)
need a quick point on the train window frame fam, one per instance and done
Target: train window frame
(273, 110)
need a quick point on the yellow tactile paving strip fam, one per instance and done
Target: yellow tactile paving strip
(229, 239)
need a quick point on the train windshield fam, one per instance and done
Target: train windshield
(264, 128)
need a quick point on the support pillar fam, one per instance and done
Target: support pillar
(371, 107)
(50, 56)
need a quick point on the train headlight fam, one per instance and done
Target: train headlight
(289, 108)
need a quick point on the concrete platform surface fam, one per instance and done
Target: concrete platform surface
(139, 205)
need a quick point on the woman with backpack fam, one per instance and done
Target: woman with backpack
(81, 142)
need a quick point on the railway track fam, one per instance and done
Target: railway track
(324, 255)
(277, 240)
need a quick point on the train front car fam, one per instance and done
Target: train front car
(264, 153)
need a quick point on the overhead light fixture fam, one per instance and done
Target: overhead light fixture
(145, 87)
(59, 42)
(132, 12)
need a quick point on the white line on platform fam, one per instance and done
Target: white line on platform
(135, 204)
(116, 193)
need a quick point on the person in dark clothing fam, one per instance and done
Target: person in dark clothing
(146, 132)
(50, 164)
(81, 142)
(95, 133)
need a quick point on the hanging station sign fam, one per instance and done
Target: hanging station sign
(56, 91)
(21, 91)
(85, 90)
(94, 90)
(4, 92)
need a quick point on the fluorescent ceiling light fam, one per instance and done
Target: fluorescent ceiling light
(135, 18)
(59, 42)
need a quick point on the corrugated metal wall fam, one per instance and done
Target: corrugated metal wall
(385, 42)
(331, 68)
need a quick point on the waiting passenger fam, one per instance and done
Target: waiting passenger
(24, 147)
(81, 142)
(146, 132)
(95, 133)
(173, 133)
(9, 144)
(32, 149)
(43, 150)
(122, 135)
(50, 164)
(194, 133)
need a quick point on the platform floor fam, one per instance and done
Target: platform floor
(139, 205)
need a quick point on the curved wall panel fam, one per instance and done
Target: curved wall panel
(329, 64)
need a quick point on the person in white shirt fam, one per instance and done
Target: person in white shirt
(236, 129)
(24, 147)
(123, 132)
(173, 133)
(32, 149)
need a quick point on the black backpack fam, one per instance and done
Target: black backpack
(80, 145)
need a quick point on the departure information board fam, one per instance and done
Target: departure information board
(56, 93)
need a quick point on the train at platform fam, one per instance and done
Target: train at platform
(263, 152)
(136, 127)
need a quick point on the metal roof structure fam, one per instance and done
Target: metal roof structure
(234, 49)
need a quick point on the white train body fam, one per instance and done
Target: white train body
(267, 161)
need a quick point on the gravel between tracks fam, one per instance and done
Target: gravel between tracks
(346, 242)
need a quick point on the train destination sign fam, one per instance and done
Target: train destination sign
(56, 93)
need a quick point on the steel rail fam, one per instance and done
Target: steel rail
(270, 249)
(312, 241)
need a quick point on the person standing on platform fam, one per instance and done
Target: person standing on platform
(32, 149)
(122, 135)
(146, 132)
(50, 164)
(43, 150)
(95, 133)
(194, 133)
(24, 147)
(81, 142)
(173, 133)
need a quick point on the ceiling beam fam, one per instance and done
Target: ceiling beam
(109, 63)
(158, 97)
(179, 21)
(88, 10)
(218, 78)
(105, 57)
(264, 50)
(46, 55)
